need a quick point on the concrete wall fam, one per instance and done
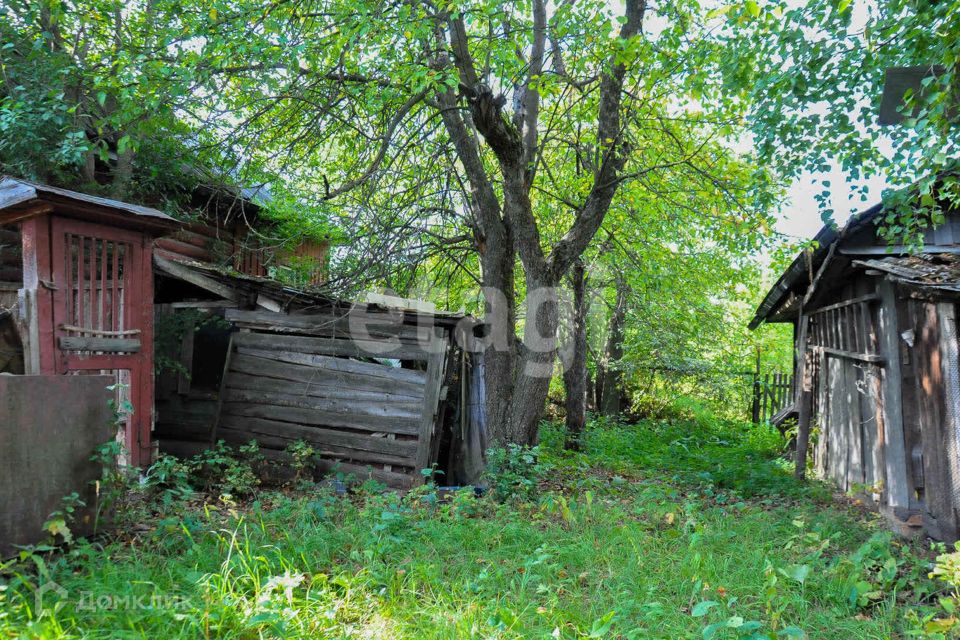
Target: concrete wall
(49, 428)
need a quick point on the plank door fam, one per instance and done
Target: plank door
(103, 316)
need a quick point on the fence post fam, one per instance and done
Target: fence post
(755, 409)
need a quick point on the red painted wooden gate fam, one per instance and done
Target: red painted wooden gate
(103, 315)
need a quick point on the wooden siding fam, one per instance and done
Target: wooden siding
(208, 243)
(848, 388)
(332, 379)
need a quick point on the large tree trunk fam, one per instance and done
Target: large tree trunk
(500, 357)
(611, 401)
(535, 367)
(575, 365)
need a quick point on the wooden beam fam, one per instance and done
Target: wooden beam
(185, 273)
(846, 303)
(853, 355)
(111, 345)
(804, 397)
(895, 460)
(436, 366)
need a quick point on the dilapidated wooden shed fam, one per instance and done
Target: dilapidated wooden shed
(875, 330)
(378, 392)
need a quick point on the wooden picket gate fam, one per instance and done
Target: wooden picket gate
(771, 393)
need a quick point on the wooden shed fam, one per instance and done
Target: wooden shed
(230, 231)
(378, 392)
(875, 330)
(76, 292)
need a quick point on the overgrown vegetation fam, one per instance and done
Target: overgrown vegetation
(688, 526)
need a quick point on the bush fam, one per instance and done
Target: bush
(514, 472)
(219, 469)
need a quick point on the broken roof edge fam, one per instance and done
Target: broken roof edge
(17, 191)
(828, 235)
(290, 294)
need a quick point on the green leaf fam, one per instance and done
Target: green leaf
(797, 572)
(703, 608)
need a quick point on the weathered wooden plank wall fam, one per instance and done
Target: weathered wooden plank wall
(298, 382)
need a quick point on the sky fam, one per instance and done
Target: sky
(800, 217)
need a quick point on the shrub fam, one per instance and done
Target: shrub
(514, 472)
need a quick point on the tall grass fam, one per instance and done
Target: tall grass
(680, 528)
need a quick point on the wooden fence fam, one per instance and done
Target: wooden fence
(772, 392)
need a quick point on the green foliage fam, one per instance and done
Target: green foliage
(304, 460)
(170, 478)
(218, 468)
(625, 539)
(813, 74)
(58, 522)
(514, 471)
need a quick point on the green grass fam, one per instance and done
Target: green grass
(677, 529)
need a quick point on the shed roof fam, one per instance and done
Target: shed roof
(800, 272)
(15, 194)
(937, 271)
(229, 283)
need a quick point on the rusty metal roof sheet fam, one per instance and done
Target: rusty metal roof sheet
(939, 271)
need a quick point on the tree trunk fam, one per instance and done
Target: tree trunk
(575, 366)
(500, 356)
(535, 367)
(610, 403)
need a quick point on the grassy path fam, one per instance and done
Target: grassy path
(689, 529)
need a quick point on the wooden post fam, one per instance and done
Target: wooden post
(894, 443)
(804, 398)
(755, 409)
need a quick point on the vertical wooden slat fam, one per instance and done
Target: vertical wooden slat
(431, 399)
(81, 276)
(70, 306)
(114, 298)
(92, 265)
(102, 286)
(122, 287)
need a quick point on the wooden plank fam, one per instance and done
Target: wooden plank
(360, 446)
(835, 424)
(320, 377)
(385, 410)
(821, 412)
(321, 418)
(850, 355)
(349, 323)
(855, 474)
(931, 411)
(895, 463)
(238, 380)
(352, 348)
(324, 450)
(869, 405)
(113, 345)
(252, 343)
(949, 426)
(194, 277)
(436, 369)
